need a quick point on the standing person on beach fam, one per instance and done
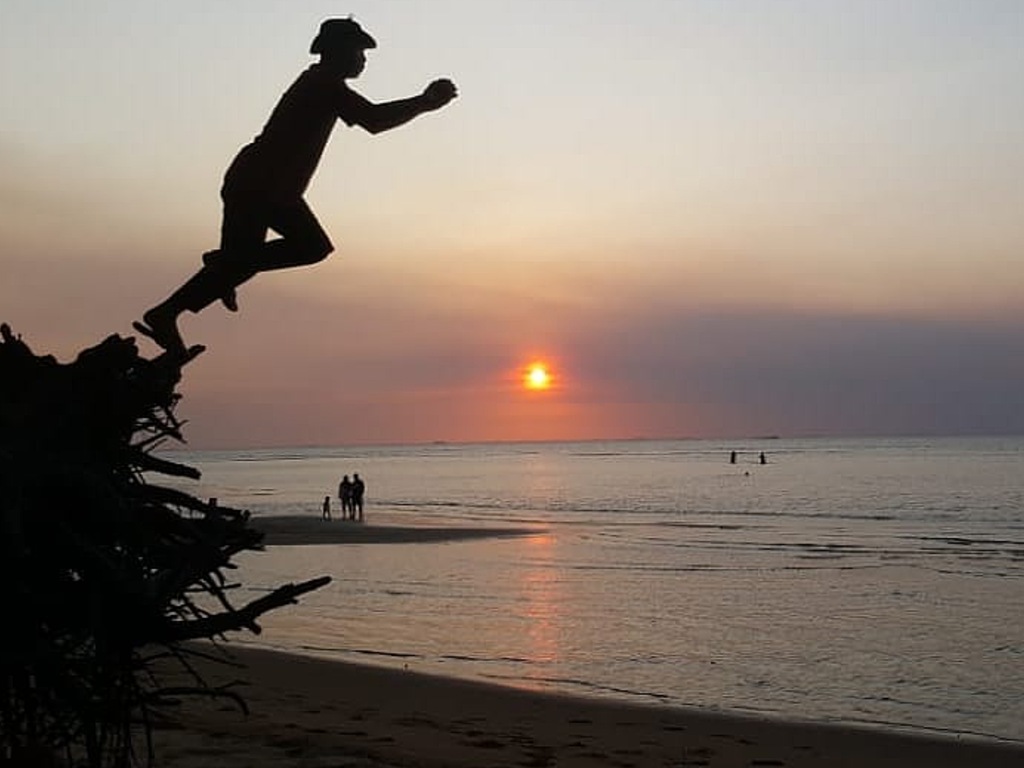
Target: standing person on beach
(345, 496)
(264, 186)
(358, 491)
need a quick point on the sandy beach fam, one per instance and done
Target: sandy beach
(313, 712)
(330, 714)
(325, 713)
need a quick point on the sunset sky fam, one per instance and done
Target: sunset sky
(707, 218)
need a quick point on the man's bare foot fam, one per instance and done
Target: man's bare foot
(230, 297)
(162, 327)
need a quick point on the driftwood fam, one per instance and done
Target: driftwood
(104, 574)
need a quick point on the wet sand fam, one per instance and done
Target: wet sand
(294, 531)
(311, 712)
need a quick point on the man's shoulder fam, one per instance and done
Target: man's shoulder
(319, 74)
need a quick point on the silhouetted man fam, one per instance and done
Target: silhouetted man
(358, 491)
(345, 496)
(264, 185)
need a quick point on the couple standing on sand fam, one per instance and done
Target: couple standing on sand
(350, 493)
(264, 185)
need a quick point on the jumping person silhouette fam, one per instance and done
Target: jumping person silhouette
(264, 185)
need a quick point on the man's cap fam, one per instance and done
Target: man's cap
(341, 33)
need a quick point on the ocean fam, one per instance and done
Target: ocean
(862, 581)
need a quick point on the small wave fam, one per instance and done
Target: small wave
(486, 659)
(372, 652)
(615, 508)
(580, 684)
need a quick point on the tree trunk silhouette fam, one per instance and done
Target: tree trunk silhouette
(105, 574)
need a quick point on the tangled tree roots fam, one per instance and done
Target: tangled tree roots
(105, 575)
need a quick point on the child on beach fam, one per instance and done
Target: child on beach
(264, 185)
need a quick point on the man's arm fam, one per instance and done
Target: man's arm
(377, 118)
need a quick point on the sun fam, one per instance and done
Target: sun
(537, 376)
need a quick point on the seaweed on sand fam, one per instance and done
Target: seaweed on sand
(105, 575)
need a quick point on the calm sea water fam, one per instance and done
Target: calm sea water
(864, 580)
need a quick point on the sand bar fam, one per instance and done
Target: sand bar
(328, 714)
(293, 531)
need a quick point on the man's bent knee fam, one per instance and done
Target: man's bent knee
(320, 250)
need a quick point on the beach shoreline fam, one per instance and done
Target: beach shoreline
(283, 530)
(306, 711)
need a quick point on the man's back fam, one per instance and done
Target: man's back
(281, 160)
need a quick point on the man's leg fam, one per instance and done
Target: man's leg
(243, 254)
(243, 232)
(245, 228)
(303, 241)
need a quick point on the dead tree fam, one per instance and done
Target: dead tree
(105, 575)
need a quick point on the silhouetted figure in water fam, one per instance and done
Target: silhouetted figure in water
(732, 457)
(264, 186)
(325, 510)
(762, 458)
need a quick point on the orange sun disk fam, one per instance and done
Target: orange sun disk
(537, 377)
